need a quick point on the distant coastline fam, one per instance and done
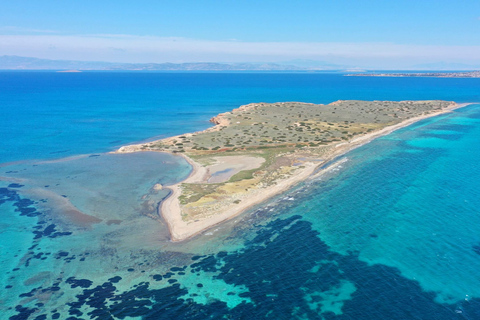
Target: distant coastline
(69, 71)
(463, 74)
(30, 63)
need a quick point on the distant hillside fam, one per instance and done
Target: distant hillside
(315, 64)
(27, 63)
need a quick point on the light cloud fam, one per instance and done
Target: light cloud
(15, 30)
(132, 48)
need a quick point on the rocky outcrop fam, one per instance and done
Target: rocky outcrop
(220, 120)
(215, 120)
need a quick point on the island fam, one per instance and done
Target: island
(461, 74)
(262, 149)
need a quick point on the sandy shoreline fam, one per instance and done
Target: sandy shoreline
(181, 230)
(346, 147)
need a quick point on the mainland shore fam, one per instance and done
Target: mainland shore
(220, 168)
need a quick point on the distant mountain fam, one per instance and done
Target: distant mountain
(315, 64)
(201, 66)
(445, 66)
(27, 63)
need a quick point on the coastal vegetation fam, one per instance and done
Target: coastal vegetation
(260, 149)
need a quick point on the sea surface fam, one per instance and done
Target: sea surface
(391, 232)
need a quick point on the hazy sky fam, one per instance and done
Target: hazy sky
(369, 33)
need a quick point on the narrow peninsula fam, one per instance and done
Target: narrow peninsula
(261, 149)
(462, 74)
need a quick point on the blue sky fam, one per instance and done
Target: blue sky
(358, 33)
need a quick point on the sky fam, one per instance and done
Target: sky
(369, 33)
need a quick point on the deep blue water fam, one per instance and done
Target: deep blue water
(391, 233)
(51, 115)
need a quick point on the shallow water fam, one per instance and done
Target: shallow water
(412, 205)
(387, 234)
(391, 233)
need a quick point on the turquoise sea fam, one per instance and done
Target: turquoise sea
(392, 232)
